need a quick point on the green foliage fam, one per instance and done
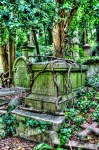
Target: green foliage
(9, 123)
(64, 135)
(41, 126)
(43, 146)
(85, 101)
(93, 81)
(96, 114)
(74, 117)
(91, 60)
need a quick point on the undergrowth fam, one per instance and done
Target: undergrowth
(74, 116)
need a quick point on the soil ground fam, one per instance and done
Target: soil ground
(13, 143)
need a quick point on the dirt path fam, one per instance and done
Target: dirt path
(13, 143)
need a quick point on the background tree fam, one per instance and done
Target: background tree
(80, 12)
(17, 18)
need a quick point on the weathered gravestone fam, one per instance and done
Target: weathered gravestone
(51, 86)
(51, 91)
(22, 75)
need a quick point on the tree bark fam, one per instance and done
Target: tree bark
(36, 45)
(11, 55)
(60, 30)
(4, 58)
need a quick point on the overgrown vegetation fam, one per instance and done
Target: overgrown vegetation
(9, 122)
(93, 81)
(86, 108)
(81, 111)
(76, 116)
(41, 126)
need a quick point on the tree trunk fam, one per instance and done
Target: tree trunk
(11, 55)
(4, 58)
(97, 39)
(36, 45)
(49, 36)
(60, 30)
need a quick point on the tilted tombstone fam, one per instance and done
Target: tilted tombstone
(22, 75)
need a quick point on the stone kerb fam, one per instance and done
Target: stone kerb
(22, 75)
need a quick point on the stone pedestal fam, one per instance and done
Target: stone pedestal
(87, 49)
(28, 51)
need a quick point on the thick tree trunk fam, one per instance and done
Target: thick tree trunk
(60, 30)
(11, 56)
(4, 58)
(58, 42)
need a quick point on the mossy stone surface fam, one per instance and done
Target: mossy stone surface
(22, 76)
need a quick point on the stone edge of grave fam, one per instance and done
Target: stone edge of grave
(56, 121)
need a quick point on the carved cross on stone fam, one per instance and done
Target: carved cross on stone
(88, 128)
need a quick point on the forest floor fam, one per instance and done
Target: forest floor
(15, 143)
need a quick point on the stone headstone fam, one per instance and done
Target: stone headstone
(87, 49)
(22, 75)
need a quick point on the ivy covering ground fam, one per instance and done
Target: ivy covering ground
(86, 109)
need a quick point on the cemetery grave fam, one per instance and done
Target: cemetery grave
(44, 115)
(49, 75)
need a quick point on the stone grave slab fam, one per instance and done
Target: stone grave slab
(88, 129)
(56, 121)
(32, 133)
(71, 144)
(82, 145)
(11, 91)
